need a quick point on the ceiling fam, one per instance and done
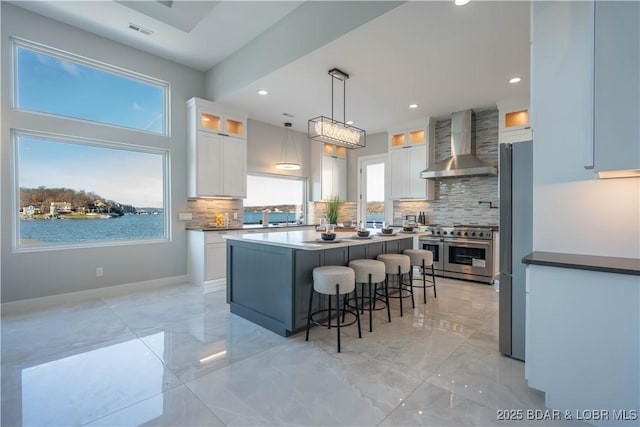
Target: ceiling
(442, 57)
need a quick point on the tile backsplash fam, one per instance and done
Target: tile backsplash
(457, 199)
(204, 211)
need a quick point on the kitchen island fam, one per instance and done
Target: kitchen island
(269, 275)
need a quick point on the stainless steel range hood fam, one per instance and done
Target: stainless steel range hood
(462, 163)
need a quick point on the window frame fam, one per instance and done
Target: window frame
(16, 43)
(305, 188)
(15, 134)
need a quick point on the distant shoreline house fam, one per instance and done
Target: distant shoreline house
(59, 208)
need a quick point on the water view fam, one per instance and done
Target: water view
(127, 227)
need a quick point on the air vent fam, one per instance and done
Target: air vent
(288, 115)
(140, 29)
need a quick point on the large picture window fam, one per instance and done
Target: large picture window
(59, 83)
(284, 198)
(77, 192)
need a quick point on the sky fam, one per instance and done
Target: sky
(128, 177)
(48, 84)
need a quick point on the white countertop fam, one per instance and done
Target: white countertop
(310, 240)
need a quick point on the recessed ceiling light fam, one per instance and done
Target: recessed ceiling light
(262, 92)
(350, 122)
(413, 106)
(461, 2)
(515, 80)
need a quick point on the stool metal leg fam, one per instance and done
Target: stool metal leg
(400, 289)
(424, 282)
(386, 297)
(337, 313)
(371, 299)
(329, 321)
(413, 303)
(355, 294)
(309, 313)
(433, 277)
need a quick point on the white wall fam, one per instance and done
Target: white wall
(573, 211)
(264, 147)
(582, 327)
(35, 274)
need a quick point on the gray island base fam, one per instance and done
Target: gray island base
(269, 275)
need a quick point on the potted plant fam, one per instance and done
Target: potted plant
(333, 205)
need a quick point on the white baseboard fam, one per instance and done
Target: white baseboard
(34, 304)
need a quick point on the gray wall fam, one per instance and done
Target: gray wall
(51, 272)
(264, 146)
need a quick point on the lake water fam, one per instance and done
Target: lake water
(128, 227)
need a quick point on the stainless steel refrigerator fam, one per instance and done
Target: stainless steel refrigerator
(516, 229)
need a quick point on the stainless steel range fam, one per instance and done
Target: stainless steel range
(461, 251)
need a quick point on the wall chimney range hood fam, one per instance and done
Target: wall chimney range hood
(462, 163)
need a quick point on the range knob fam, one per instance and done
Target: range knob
(444, 233)
(438, 232)
(480, 234)
(466, 234)
(473, 234)
(458, 233)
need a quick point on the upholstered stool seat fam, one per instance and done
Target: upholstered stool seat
(333, 281)
(371, 272)
(398, 266)
(423, 258)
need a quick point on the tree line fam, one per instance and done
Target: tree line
(43, 197)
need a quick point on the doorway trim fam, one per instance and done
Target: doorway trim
(388, 203)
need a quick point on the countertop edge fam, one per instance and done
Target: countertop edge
(273, 227)
(628, 266)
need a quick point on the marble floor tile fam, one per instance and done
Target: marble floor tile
(176, 407)
(480, 373)
(206, 343)
(299, 384)
(78, 386)
(430, 405)
(58, 329)
(176, 356)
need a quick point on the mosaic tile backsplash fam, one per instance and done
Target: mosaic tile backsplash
(204, 211)
(457, 199)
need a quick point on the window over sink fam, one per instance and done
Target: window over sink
(283, 196)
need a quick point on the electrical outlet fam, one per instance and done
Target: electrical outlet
(99, 272)
(235, 215)
(185, 216)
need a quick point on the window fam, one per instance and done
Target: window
(55, 82)
(77, 192)
(283, 196)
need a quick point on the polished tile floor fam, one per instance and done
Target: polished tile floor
(175, 356)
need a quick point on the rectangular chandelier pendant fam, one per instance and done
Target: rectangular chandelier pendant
(335, 132)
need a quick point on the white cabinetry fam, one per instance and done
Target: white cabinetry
(208, 257)
(616, 136)
(411, 150)
(513, 123)
(329, 174)
(217, 151)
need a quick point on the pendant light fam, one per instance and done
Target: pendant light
(333, 131)
(285, 163)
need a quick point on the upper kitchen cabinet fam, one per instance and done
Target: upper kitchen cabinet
(329, 171)
(616, 133)
(514, 124)
(411, 150)
(217, 150)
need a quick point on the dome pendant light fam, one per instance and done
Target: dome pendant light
(285, 164)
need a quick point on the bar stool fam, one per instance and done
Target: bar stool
(371, 272)
(333, 280)
(423, 258)
(398, 265)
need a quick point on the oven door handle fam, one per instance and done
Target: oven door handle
(469, 242)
